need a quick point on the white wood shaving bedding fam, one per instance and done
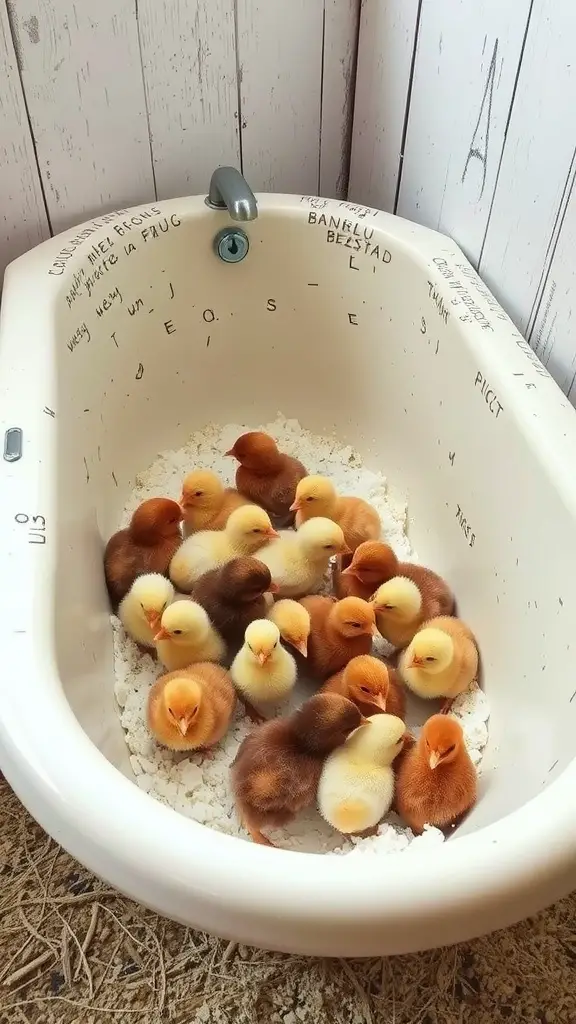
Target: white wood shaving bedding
(197, 786)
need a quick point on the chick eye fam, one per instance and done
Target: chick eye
(389, 607)
(328, 547)
(355, 625)
(365, 689)
(275, 645)
(257, 530)
(171, 713)
(197, 494)
(450, 749)
(177, 632)
(310, 498)
(430, 658)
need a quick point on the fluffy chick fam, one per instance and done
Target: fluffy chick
(266, 476)
(233, 595)
(436, 781)
(142, 608)
(371, 685)
(441, 660)
(316, 496)
(186, 635)
(356, 786)
(248, 529)
(191, 708)
(399, 610)
(339, 631)
(293, 621)
(277, 769)
(375, 563)
(206, 504)
(146, 545)
(298, 560)
(262, 671)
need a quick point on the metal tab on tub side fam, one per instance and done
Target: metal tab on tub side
(13, 444)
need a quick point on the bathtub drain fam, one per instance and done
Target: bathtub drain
(231, 245)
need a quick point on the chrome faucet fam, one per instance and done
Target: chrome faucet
(230, 191)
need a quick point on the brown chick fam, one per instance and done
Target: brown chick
(375, 563)
(317, 496)
(266, 476)
(371, 684)
(233, 596)
(146, 545)
(436, 780)
(206, 504)
(339, 631)
(192, 707)
(277, 769)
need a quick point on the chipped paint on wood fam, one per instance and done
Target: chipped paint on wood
(82, 76)
(189, 61)
(23, 220)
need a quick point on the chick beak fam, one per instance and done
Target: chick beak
(263, 657)
(153, 620)
(350, 571)
(273, 589)
(163, 634)
(302, 647)
(295, 506)
(183, 726)
(364, 721)
(231, 453)
(416, 661)
(434, 759)
(272, 533)
(379, 702)
(374, 630)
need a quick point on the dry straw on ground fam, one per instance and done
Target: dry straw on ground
(74, 951)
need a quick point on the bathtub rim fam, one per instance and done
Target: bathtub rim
(494, 857)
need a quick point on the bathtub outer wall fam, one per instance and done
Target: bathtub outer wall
(119, 338)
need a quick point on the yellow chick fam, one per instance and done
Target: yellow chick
(441, 660)
(191, 708)
(356, 787)
(247, 529)
(398, 607)
(298, 560)
(141, 610)
(262, 671)
(293, 621)
(317, 496)
(206, 504)
(187, 635)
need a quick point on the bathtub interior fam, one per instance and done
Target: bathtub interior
(350, 325)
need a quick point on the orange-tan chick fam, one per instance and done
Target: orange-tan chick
(339, 631)
(233, 595)
(293, 621)
(277, 769)
(206, 504)
(441, 660)
(146, 545)
(191, 708)
(371, 685)
(375, 563)
(316, 496)
(435, 780)
(266, 476)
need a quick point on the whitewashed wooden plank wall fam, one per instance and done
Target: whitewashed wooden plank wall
(23, 220)
(119, 102)
(464, 121)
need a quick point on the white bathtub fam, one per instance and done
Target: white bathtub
(121, 337)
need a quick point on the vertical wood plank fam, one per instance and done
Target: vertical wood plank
(280, 63)
(23, 221)
(387, 40)
(538, 164)
(189, 62)
(82, 76)
(553, 333)
(338, 68)
(464, 78)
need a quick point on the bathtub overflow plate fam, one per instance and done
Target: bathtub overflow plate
(231, 245)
